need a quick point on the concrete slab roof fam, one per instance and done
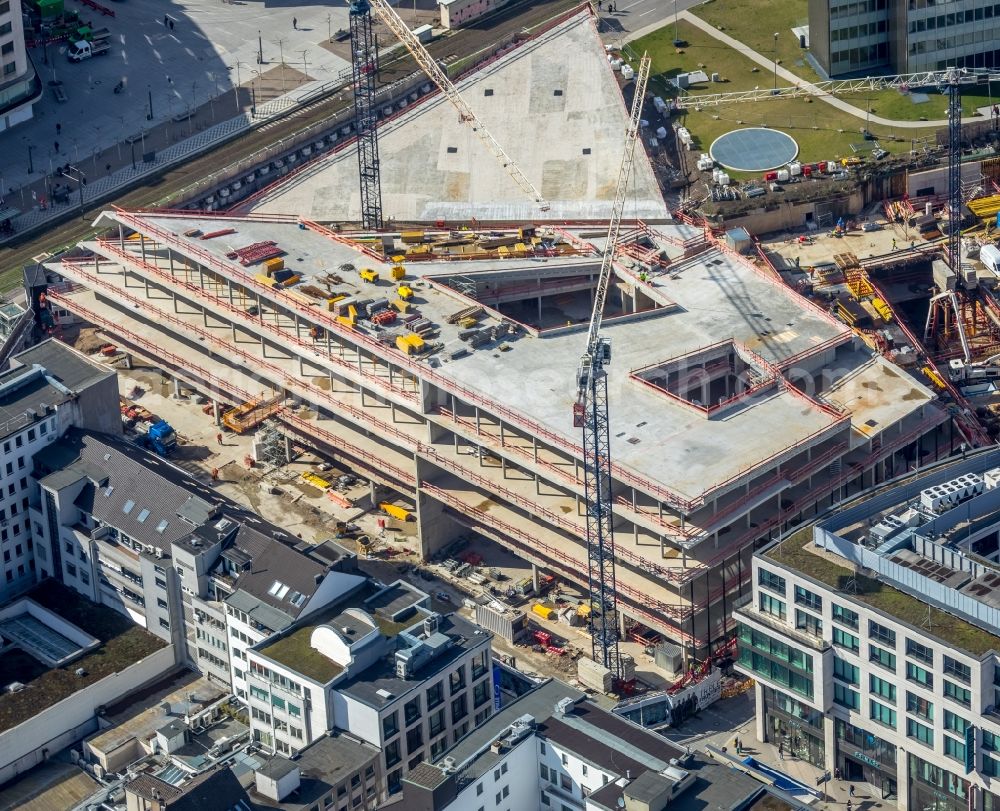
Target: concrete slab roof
(553, 104)
(709, 298)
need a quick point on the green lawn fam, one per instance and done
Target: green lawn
(757, 31)
(822, 131)
(795, 552)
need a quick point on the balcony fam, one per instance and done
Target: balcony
(744, 607)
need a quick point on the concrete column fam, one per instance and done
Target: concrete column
(534, 578)
(121, 233)
(173, 300)
(539, 310)
(829, 744)
(903, 781)
(170, 259)
(759, 726)
(503, 442)
(177, 388)
(216, 412)
(142, 248)
(288, 448)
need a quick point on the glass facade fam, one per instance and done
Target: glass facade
(862, 756)
(774, 660)
(797, 727)
(932, 787)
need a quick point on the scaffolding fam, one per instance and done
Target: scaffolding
(247, 416)
(270, 448)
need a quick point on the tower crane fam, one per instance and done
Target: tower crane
(364, 67)
(590, 412)
(950, 81)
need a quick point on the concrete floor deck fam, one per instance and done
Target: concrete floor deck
(716, 297)
(545, 103)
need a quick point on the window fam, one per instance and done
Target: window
(459, 708)
(879, 633)
(259, 694)
(846, 697)
(920, 732)
(390, 725)
(805, 597)
(544, 771)
(456, 681)
(84, 576)
(919, 675)
(411, 712)
(565, 782)
(845, 671)
(845, 640)
(883, 688)
(881, 714)
(919, 706)
(960, 694)
(436, 726)
(481, 693)
(882, 657)
(392, 756)
(922, 653)
(805, 621)
(957, 670)
(954, 749)
(772, 605)
(771, 581)
(955, 723)
(435, 695)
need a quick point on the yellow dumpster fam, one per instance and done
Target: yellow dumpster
(543, 610)
(393, 511)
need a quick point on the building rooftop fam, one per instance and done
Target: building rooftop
(323, 765)
(72, 369)
(127, 487)
(122, 644)
(62, 371)
(798, 552)
(435, 168)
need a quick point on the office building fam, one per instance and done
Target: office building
(874, 639)
(852, 37)
(49, 389)
(20, 85)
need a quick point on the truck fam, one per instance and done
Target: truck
(81, 50)
(159, 437)
(88, 34)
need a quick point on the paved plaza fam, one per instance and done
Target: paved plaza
(190, 68)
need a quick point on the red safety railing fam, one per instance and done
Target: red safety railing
(258, 324)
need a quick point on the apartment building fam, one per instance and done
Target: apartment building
(379, 664)
(48, 390)
(553, 749)
(20, 85)
(874, 639)
(903, 36)
(127, 529)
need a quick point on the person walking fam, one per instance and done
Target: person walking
(850, 791)
(295, 23)
(56, 145)
(781, 751)
(58, 128)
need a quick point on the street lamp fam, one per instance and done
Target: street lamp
(329, 29)
(31, 166)
(305, 64)
(260, 48)
(238, 84)
(253, 94)
(149, 91)
(775, 60)
(675, 24)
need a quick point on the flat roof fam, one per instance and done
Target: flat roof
(798, 552)
(434, 167)
(708, 298)
(122, 644)
(71, 368)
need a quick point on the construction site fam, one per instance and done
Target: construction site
(436, 349)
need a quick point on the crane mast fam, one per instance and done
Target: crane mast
(364, 67)
(590, 412)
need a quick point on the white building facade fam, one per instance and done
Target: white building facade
(853, 689)
(20, 85)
